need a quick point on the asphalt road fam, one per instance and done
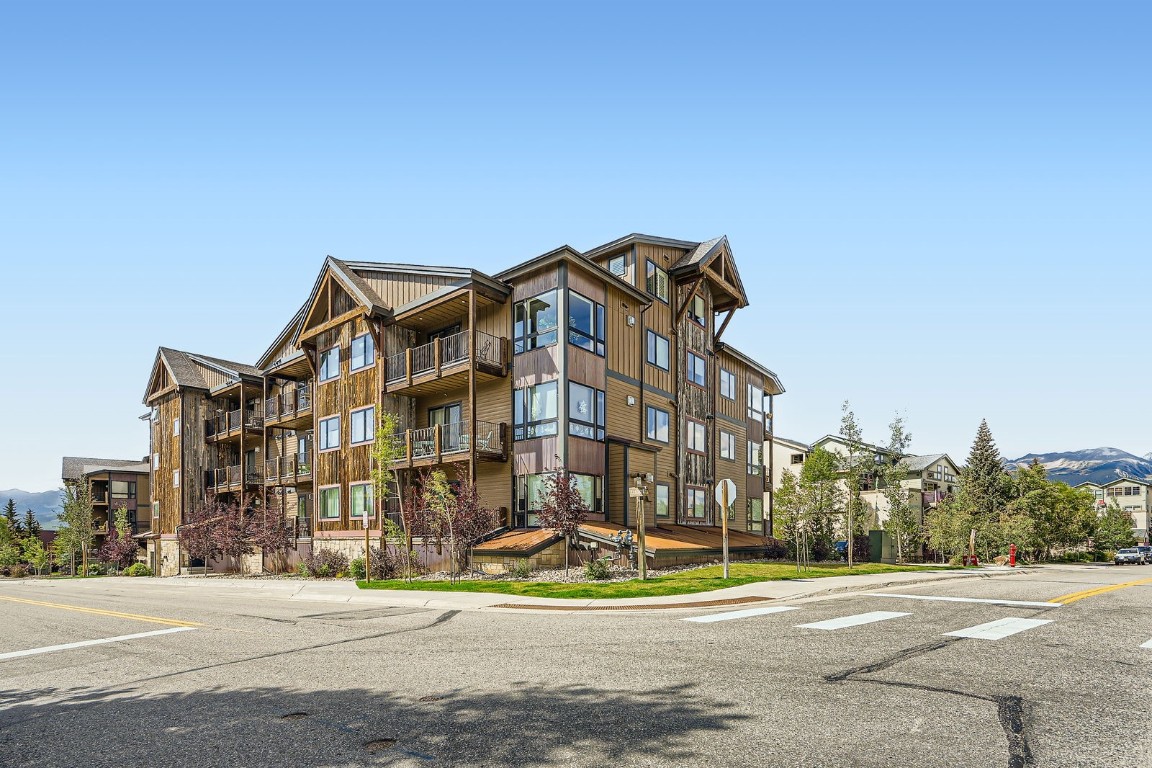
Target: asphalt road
(244, 681)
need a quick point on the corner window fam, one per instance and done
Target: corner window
(330, 433)
(694, 502)
(359, 501)
(657, 425)
(755, 457)
(363, 425)
(662, 508)
(585, 323)
(727, 445)
(696, 436)
(585, 411)
(536, 411)
(696, 310)
(363, 352)
(617, 265)
(657, 282)
(727, 384)
(694, 370)
(330, 364)
(590, 488)
(529, 490)
(657, 350)
(536, 322)
(329, 505)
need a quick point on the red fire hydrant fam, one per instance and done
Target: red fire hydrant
(1012, 556)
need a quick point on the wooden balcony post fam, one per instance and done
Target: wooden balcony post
(408, 365)
(408, 446)
(436, 345)
(436, 442)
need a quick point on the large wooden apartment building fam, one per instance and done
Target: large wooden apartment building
(609, 363)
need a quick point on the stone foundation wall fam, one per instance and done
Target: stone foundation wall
(169, 558)
(546, 559)
(350, 548)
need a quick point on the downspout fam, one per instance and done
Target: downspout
(771, 530)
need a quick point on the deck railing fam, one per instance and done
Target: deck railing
(450, 439)
(445, 352)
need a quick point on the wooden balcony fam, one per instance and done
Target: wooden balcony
(290, 409)
(443, 364)
(288, 470)
(231, 424)
(231, 478)
(443, 443)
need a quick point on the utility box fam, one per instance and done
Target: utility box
(881, 548)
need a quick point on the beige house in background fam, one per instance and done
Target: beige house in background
(1131, 495)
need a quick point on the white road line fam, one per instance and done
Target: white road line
(744, 614)
(994, 630)
(84, 643)
(989, 601)
(854, 621)
(1147, 644)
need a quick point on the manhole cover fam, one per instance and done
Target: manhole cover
(294, 716)
(379, 745)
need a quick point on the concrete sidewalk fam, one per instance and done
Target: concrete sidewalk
(348, 592)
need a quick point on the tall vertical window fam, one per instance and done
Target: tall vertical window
(330, 433)
(694, 370)
(727, 384)
(536, 322)
(755, 457)
(662, 508)
(756, 515)
(657, 350)
(727, 445)
(755, 403)
(657, 424)
(536, 411)
(329, 505)
(590, 488)
(694, 503)
(330, 364)
(156, 461)
(363, 352)
(175, 427)
(529, 489)
(360, 501)
(585, 323)
(696, 309)
(585, 411)
(363, 425)
(657, 282)
(696, 436)
(175, 478)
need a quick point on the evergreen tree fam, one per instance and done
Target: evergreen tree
(31, 525)
(984, 480)
(14, 523)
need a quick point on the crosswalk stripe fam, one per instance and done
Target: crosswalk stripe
(994, 630)
(1147, 644)
(86, 643)
(854, 621)
(987, 600)
(744, 614)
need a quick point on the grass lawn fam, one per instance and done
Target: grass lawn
(682, 583)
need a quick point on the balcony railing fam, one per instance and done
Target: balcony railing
(294, 467)
(445, 352)
(452, 440)
(233, 421)
(233, 476)
(294, 401)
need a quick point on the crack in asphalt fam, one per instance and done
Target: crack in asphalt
(1011, 711)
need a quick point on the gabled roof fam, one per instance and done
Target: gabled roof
(183, 369)
(1121, 480)
(840, 439)
(76, 467)
(921, 463)
(748, 361)
(633, 239)
(282, 338)
(791, 443)
(568, 253)
(703, 255)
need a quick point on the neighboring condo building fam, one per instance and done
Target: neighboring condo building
(609, 363)
(112, 484)
(1131, 495)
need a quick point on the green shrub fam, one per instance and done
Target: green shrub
(356, 569)
(325, 563)
(775, 549)
(17, 571)
(96, 569)
(522, 569)
(137, 569)
(597, 569)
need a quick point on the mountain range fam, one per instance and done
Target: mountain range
(1092, 465)
(45, 505)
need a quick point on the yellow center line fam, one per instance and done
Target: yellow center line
(102, 612)
(1074, 596)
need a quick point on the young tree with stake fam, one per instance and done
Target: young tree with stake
(562, 507)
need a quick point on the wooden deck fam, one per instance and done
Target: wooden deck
(680, 538)
(518, 542)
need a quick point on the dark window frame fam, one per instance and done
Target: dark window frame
(522, 427)
(652, 429)
(369, 353)
(650, 348)
(580, 427)
(577, 336)
(526, 332)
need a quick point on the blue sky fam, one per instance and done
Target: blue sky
(937, 208)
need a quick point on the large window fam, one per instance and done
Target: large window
(591, 491)
(330, 433)
(696, 436)
(657, 350)
(695, 369)
(329, 503)
(727, 445)
(529, 490)
(756, 515)
(755, 457)
(727, 384)
(694, 503)
(536, 411)
(696, 309)
(657, 424)
(363, 352)
(122, 489)
(363, 425)
(585, 323)
(657, 282)
(536, 322)
(585, 411)
(755, 403)
(360, 501)
(330, 364)
(662, 507)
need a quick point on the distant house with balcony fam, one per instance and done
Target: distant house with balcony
(112, 484)
(1131, 495)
